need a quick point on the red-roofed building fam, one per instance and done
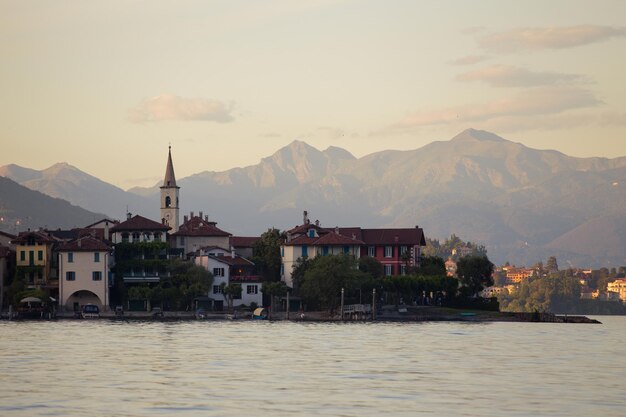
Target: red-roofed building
(36, 262)
(394, 248)
(227, 267)
(138, 229)
(7, 260)
(84, 273)
(244, 245)
(197, 232)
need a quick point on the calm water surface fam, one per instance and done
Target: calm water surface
(102, 368)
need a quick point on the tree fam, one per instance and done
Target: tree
(230, 292)
(551, 265)
(326, 276)
(266, 254)
(474, 273)
(371, 266)
(432, 265)
(273, 290)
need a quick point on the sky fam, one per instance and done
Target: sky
(107, 86)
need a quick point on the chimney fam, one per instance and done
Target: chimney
(80, 241)
(106, 230)
(353, 236)
(337, 229)
(206, 218)
(185, 218)
(191, 215)
(317, 223)
(200, 215)
(129, 215)
(232, 252)
(305, 217)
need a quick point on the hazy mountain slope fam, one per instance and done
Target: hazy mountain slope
(33, 209)
(69, 183)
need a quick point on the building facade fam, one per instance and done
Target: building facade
(35, 261)
(197, 232)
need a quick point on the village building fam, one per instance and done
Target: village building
(169, 196)
(7, 257)
(244, 245)
(229, 268)
(197, 232)
(6, 238)
(618, 288)
(35, 261)
(396, 249)
(84, 273)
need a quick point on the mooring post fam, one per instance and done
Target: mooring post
(342, 291)
(374, 304)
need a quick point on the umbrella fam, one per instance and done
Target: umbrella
(30, 300)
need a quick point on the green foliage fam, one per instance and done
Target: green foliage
(432, 265)
(474, 273)
(324, 278)
(371, 266)
(230, 292)
(551, 264)
(451, 248)
(267, 254)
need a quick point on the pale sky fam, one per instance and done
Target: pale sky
(105, 86)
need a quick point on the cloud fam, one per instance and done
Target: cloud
(530, 102)
(332, 132)
(509, 76)
(171, 107)
(568, 120)
(522, 39)
(469, 60)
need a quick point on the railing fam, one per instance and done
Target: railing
(246, 278)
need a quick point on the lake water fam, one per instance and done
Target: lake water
(107, 368)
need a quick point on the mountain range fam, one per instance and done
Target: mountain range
(523, 204)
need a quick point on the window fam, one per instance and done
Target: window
(402, 269)
(157, 236)
(305, 251)
(22, 255)
(237, 296)
(282, 251)
(182, 240)
(252, 289)
(388, 251)
(136, 237)
(403, 250)
(218, 272)
(388, 269)
(371, 251)
(346, 250)
(70, 257)
(311, 232)
(325, 250)
(40, 255)
(217, 289)
(282, 269)
(96, 275)
(124, 237)
(168, 201)
(70, 276)
(96, 257)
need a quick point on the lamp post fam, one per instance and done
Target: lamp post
(342, 291)
(374, 304)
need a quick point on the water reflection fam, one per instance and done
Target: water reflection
(74, 368)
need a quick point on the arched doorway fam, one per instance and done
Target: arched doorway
(80, 298)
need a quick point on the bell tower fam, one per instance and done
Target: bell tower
(169, 196)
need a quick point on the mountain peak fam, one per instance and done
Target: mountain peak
(477, 135)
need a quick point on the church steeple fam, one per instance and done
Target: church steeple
(170, 178)
(169, 196)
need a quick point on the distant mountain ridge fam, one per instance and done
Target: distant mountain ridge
(22, 208)
(523, 204)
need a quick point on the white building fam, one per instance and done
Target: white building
(84, 273)
(197, 232)
(229, 268)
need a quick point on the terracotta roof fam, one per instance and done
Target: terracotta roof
(38, 236)
(170, 178)
(302, 240)
(10, 236)
(304, 228)
(414, 236)
(229, 260)
(196, 226)
(138, 222)
(244, 241)
(85, 244)
(111, 223)
(333, 238)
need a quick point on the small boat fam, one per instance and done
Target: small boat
(259, 314)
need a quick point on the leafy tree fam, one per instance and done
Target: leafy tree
(499, 279)
(230, 292)
(267, 254)
(299, 269)
(371, 266)
(474, 273)
(326, 276)
(273, 290)
(551, 264)
(432, 265)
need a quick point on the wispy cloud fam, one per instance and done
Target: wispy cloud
(530, 102)
(569, 120)
(522, 39)
(469, 60)
(509, 76)
(332, 132)
(171, 107)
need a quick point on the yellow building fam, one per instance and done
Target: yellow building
(618, 286)
(35, 261)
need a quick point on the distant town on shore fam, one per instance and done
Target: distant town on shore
(140, 264)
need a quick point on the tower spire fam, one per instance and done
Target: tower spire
(170, 178)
